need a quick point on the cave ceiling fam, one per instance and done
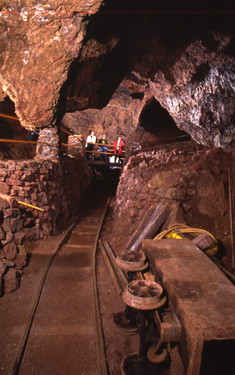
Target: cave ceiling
(89, 63)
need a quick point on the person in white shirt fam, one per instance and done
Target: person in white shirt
(90, 144)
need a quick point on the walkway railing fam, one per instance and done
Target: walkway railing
(82, 141)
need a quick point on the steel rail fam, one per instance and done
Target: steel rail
(100, 335)
(231, 215)
(117, 272)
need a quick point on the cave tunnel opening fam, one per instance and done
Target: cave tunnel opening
(157, 121)
(122, 37)
(11, 129)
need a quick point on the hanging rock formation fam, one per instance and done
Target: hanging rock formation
(38, 42)
(191, 74)
(186, 62)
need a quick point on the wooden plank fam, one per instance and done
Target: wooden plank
(198, 292)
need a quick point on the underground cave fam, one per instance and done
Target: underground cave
(117, 258)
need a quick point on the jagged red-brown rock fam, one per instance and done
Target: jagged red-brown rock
(197, 90)
(39, 40)
(190, 73)
(119, 117)
(191, 179)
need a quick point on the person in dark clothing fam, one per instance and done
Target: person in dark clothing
(103, 148)
(33, 136)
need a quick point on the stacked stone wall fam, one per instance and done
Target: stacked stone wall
(56, 188)
(12, 254)
(191, 179)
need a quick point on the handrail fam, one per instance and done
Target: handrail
(18, 141)
(11, 117)
(66, 131)
(61, 128)
(24, 141)
(105, 153)
(160, 143)
(99, 144)
(102, 144)
(40, 142)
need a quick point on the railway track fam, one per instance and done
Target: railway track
(64, 333)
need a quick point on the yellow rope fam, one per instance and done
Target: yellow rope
(183, 229)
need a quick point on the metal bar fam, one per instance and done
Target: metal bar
(99, 162)
(7, 116)
(30, 205)
(16, 118)
(17, 141)
(105, 153)
(112, 257)
(103, 368)
(112, 272)
(24, 141)
(66, 131)
(159, 143)
(149, 226)
(231, 215)
(115, 270)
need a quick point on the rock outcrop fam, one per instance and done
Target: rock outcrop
(56, 188)
(200, 94)
(192, 180)
(39, 40)
(12, 253)
(56, 56)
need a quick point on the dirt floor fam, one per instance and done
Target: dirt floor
(16, 309)
(119, 346)
(17, 306)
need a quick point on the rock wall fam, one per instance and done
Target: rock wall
(54, 56)
(12, 254)
(38, 42)
(57, 188)
(192, 180)
(54, 187)
(119, 117)
(200, 92)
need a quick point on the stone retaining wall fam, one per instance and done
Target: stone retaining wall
(12, 254)
(191, 179)
(55, 187)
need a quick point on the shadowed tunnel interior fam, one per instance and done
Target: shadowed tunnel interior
(156, 120)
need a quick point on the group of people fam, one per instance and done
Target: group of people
(117, 147)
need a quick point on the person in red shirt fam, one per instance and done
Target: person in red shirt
(118, 148)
